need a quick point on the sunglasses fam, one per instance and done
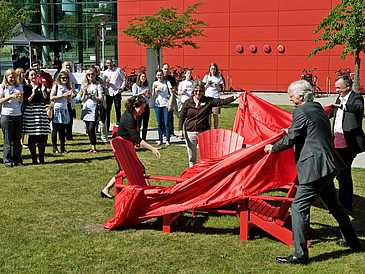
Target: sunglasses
(198, 91)
(91, 74)
(64, 78)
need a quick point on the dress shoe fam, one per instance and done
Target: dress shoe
(291, 260)
(9, 165)
(64, 151)
(56, 151)
(105, 195)
(344, 244)
(19, 164)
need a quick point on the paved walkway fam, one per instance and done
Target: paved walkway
(273, 98)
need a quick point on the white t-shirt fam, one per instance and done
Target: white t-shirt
(211, 91)
(163, 93)
(11, 107)
(187, 94)
(62, 102)
(117, 80)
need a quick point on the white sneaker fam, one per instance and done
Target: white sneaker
(167, 143)
(159, 143)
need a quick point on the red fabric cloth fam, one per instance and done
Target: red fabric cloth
(218, 182)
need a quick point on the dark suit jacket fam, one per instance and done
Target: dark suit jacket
(352, 122)
(315, 153)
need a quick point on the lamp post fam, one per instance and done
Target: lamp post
(102, 23)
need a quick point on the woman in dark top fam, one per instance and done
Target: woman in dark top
(35, 120)
(196, 111)
(128, 129)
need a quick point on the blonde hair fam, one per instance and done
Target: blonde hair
(18, 75)
(58, 79)
(86, 81)
(5, 80)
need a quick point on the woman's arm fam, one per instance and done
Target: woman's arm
(154, 150)
(84, 94)
(13, 96)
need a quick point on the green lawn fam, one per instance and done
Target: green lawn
(51, 220)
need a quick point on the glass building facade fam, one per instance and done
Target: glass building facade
(77, 23)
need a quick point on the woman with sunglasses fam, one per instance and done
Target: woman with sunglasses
(162, 92)
(92, 93)
(61, 95)
(196, 111)
(36, 122)
(140, 88)
(128, 129)
(11, 96)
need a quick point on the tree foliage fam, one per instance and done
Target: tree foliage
(344, 25)
(9, 18)
(166, 28)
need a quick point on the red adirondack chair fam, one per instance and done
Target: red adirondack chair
(132, 168)
(275, 220)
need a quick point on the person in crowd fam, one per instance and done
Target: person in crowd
(141, 88)
(163, 94)
(349, 137)
(115, 81)
(102, 107)
(168, 77)
(57, 64)
(213, 85)
(20, 78)
(71, 106)
(35, 119)
(49, 61)
(61, 95)
(184, 89)
(317, 162)
(196, 112)
(42, 76)
(92, 93)
(16, 59)
(128, 129)
(11, 96)
(25, 61)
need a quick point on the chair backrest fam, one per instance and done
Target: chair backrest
(127, 158)
(216, 143)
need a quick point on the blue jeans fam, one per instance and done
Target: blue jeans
(163, 115)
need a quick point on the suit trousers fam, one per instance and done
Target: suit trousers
(117, 99)
(345, 184)
(306, 195)
(191, 140)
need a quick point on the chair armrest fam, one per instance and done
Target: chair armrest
(165, 178)
(270, 198)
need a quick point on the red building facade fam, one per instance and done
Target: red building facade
(268, 25)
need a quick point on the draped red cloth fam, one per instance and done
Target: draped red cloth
(217, 182)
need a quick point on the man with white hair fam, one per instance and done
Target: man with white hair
(317, 162)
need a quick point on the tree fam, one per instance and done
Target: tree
(345, 25)
(166, 29)
(9, 18)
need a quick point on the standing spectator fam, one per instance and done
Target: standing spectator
(349, 137)
(49, 61)
(16, 59)
(42, 77)
(317, 162)
(11, 96)
(102, 107)
(185, 87)
(71, 106)
(57, 64)
(61, 95)
(25, 61)
(20, 78)
(167, 76)
(162, 92)
(213, 85)
(114, 79)
(92, 93)
(141, 88)
(196, 112)
(36, 123)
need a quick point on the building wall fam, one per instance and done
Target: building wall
(244, 22)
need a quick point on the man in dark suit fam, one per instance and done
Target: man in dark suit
(348, 134)
(317, 161)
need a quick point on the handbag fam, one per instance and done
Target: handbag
(49, 110)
